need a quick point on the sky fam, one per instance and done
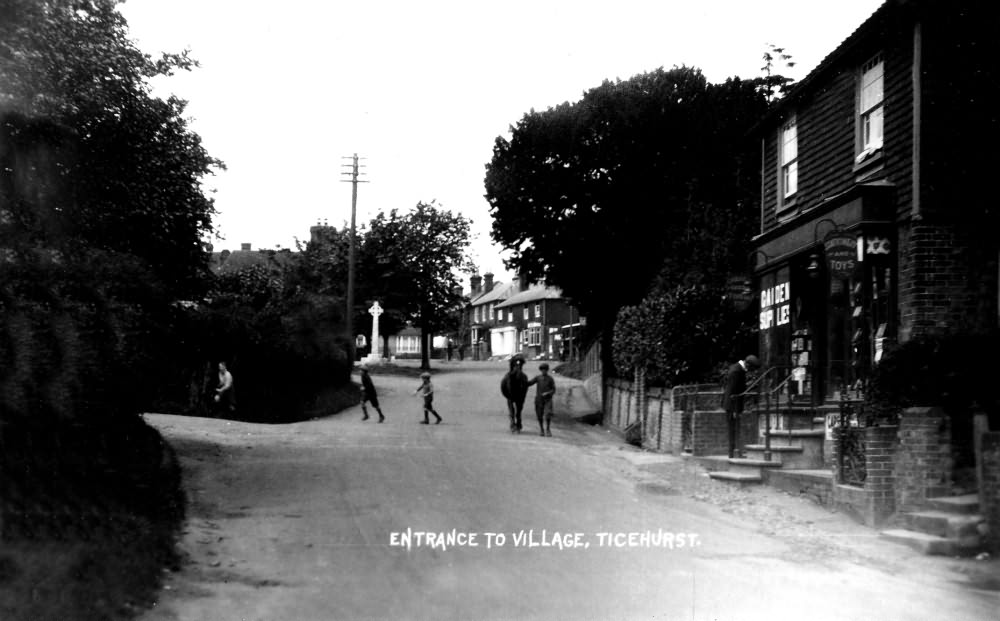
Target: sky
(421, 90)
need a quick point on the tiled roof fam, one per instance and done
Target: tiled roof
(532, 294)
(499, 291)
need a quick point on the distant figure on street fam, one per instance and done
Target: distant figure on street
(451, 349)
(225, 401)
(514, 387)
(732, 399)
(543, 398)
(427, 391)
(368, 394)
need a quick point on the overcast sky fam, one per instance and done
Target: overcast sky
(422, 89)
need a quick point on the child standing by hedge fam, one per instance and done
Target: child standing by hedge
(427, 390)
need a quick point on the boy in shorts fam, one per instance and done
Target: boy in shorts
(427, 390)
(368, 394)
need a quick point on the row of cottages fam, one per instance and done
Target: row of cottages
(876, 181)
(519, 318)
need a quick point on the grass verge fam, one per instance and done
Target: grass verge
(89, 521)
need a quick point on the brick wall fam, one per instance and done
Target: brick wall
(946, 282)
(710, 433)
(875, 502)
(662, 427)
(923, 465)
(989, 486)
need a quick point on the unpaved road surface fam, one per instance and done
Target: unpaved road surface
(296, 522)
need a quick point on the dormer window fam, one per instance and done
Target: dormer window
(789, 158)
(870, 108)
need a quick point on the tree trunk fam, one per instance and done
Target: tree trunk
(425, 355)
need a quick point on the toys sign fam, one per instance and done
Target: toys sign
(841, 255)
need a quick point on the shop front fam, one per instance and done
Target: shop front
(827, 295)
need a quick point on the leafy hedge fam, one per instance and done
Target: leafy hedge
(955, 371)
(684, 336)
(284, 345)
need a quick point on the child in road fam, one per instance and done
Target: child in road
(368, 394)
(543, 398)
(427, 390)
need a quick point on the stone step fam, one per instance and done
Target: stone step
(966, 504)
(774, 449)
(931, 544)
(961, 527)
(795, 457)
(797, 437)
(921, 542)
(739, 478)
(738, 464)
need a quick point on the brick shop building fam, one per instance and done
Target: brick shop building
(877, 194)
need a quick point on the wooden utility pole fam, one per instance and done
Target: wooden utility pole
(353, 173)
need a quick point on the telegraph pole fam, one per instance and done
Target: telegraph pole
(353, 173)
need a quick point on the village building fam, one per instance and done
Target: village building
(872, 182)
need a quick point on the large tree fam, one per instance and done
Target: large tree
(412, 261)
(137, 169)
(641, 182)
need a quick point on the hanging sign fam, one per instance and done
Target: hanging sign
(774, 302)
(877, 245)
(841, 255)
(740, 291)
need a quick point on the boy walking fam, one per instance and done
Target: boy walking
(427, 391)
(368, 394)
(543, 398)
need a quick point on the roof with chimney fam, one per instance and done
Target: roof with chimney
(533, 293)
(499, 291)
(227, 262)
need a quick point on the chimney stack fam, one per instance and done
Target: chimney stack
(476, 282)
(244, 246)
(522, 282)
(488, 284)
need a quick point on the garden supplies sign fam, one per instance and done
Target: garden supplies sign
(774, 305)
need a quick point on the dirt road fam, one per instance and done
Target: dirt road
(309, 521)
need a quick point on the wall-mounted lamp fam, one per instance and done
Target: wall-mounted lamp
(813, 269)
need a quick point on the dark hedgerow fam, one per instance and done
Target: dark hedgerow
(952, 371)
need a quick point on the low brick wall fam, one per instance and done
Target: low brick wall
(875, 502)
(989, 485)
(923, 462)
(664, 413)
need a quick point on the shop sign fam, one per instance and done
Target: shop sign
(841, 255)
(740, 291)
(877, 245)
(774, 302)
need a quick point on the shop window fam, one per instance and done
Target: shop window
(534, 336)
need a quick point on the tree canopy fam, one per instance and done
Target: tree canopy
(411, 261)
(641, 183)
(135, 168)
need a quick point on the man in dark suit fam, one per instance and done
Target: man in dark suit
(732, 399)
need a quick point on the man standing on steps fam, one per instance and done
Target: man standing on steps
(368, 394)
(732, 399)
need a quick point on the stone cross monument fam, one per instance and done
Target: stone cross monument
(375, 311)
